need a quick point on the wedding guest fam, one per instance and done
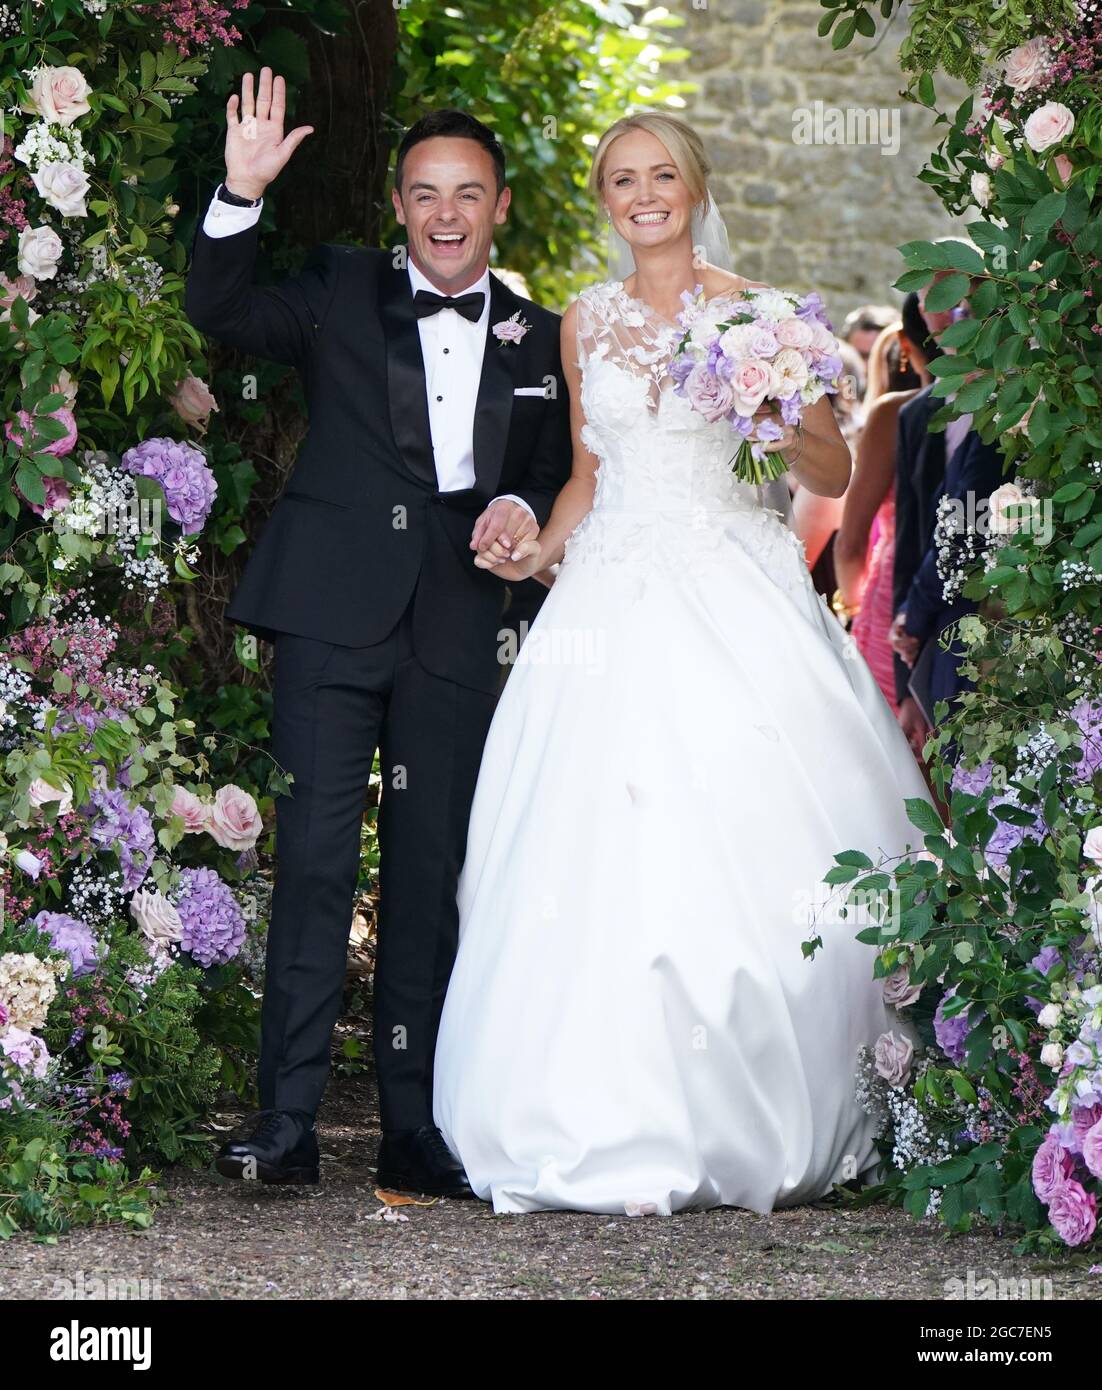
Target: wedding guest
(864, 324)
(816, 519)
(920, 476)
(864, 548)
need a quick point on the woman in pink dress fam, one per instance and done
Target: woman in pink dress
(864, 548)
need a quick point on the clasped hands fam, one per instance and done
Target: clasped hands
(505, 539)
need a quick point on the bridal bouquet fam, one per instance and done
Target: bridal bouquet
(767, 346)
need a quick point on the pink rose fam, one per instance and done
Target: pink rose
(794, 333)
(823, 340)
(193, 811)
(57, 494)
(193, 402)
(234, 821)
(1064, 167)
(708, 394)
(1073, 1211)
(1027, 65)
(893, 1057)
(1092, 1149)
(60, 95)
(898, 990)
(751, 381)
(58, 447)
(1048, 125)
(22, 287)
(1092, 844)
(1052, 1166)
(511, 330)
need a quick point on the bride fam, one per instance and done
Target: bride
(685, 741)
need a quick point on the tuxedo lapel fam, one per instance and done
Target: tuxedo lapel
(495, 391)
(405, 372)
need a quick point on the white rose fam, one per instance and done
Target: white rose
(64, 186)
(156, 917)
(41, 792)
(999, 503)
(981, 188)
(1049, 1016)
(39, 252)
(1052, 1054)
(993, 158)
(792, 372)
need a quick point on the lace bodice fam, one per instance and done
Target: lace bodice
(664, 488)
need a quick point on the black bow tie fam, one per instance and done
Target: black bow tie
(425, 303)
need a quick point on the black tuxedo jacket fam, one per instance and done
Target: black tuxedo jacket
(919, 475)
(362, 521)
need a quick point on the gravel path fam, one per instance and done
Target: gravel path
(223, 1240)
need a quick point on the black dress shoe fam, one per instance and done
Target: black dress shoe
(282, 1148)
(418, 1160)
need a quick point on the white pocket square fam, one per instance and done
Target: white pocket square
(530, 391)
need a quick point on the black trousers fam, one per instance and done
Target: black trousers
(332, 707)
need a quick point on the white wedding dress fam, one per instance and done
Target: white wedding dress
(686, 739)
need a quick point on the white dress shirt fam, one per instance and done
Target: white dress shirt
(452, 348)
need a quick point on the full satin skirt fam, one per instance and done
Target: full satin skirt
(631, 1024)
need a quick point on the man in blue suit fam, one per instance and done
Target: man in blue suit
(972, 474)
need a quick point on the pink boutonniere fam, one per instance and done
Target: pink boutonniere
(511, 330)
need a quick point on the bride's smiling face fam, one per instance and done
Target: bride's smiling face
(644, 192)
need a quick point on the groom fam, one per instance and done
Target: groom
(438, 428)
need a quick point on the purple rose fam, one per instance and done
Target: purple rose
(1052, 1166)
(1092, 1149)
(951, 1033)
(1073, 1211)
(707, 394)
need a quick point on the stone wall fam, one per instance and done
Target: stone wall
(825, 216)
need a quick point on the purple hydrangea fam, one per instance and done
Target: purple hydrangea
(188, 484)
(126, 829)
(72, 936)
(213, 923)
(1005, 837)
(1088, 715)
(951, 1033)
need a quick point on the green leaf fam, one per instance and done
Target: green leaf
(948, 292)
(922, 814)
(1045, 213)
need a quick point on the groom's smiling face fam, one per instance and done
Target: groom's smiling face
(449, 204)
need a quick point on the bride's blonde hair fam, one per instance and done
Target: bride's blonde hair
(684, 144)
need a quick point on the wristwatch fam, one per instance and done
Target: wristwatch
(235, 199)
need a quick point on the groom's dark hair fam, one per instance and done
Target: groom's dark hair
(457, 125)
